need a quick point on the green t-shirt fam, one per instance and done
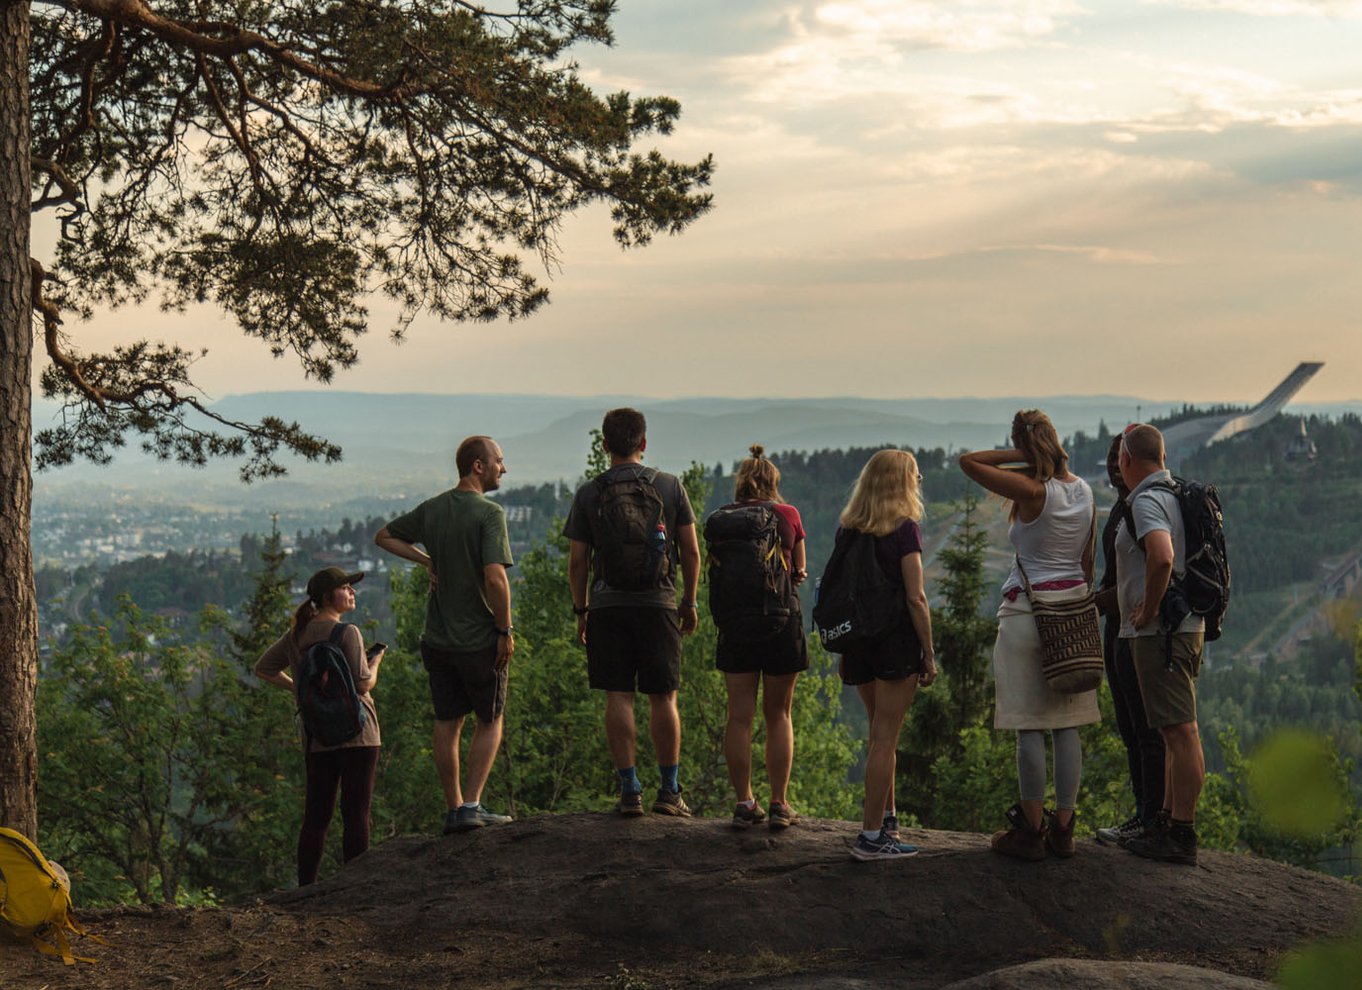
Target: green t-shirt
(462, 532)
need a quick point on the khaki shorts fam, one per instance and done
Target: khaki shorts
(1169, 695)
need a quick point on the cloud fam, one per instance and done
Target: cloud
(951, 26)
(1346, 9)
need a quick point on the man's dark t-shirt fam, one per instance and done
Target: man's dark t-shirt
(583, 525)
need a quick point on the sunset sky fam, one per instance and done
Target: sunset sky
(941, 199)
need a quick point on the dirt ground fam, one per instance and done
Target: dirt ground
(594, 901)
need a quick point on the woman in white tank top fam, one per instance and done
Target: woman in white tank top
(1051, 531)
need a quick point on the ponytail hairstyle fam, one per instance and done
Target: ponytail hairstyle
(757, 479)
(1035, 436)
(302, 615)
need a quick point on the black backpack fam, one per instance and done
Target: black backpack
(327, 700)
(632, 532)
(857, 605)
(1204, 587)
(750, 589)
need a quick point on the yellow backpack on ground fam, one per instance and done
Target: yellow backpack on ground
(35, 898)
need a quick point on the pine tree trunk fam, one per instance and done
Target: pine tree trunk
(18, 604)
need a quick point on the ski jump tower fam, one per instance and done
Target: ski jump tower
(1193, 434)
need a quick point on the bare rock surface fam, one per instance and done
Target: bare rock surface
(593, 900)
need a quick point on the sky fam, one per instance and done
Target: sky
(1159, 198)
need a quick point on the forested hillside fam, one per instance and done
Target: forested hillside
(150, 651)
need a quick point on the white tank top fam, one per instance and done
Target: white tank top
(1051, 545)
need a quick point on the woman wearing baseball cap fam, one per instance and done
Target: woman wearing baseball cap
(348, 766)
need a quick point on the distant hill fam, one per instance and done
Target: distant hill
(404, 443)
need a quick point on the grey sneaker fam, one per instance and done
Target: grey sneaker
(881, 847)
(745, 817)
(451, 821)
(476, 817)
(670, 803)
(782, 816)
(1117, 835)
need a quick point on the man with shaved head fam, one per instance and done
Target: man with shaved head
(1150, 550)
(468, 640)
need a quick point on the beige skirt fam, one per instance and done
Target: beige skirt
(1023, 696)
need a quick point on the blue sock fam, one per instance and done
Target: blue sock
(629, 782)
(669, 777)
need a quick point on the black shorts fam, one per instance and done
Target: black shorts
(893, 658)
(625, 644)
(787, 652)
(463, 682)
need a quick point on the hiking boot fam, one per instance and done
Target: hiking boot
(1059, 840)
(890, 825)
(745, 816)
(670, 803)
(1149, 829)
(1117, 835)
(881, 847)
(476, 817)
(630, 804)
(782, 816)
(1176, 844)
(1019, 840)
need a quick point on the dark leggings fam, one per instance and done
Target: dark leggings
(352, 771)
(1144, 746)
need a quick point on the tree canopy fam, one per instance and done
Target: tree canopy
(286, 161)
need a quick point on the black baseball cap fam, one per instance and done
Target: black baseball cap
(328, 579)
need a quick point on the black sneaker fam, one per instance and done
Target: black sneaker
(670, 803)
(630, 804)
(1176, 844)
(1117, 835)
(745, 816)
(890, 825)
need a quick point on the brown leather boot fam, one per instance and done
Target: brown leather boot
(1020, 840)
(1059, 839)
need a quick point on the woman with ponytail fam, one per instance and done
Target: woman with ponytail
(771, 663)
(350, 766)
(1051, 529)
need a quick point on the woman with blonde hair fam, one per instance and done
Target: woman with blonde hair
(751, 658)
(886, 505)
(350, 766)
(1051, 528)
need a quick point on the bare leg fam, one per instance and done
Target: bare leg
(619, 727)
(1187, 768)
(664, 725)
(867, 693)
(892, 699)
(481, 753)
(445, 749)
(777, 703)
(742, 708)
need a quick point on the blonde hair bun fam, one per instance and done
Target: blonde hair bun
(757, 450)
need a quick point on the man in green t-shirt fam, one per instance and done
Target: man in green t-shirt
(468, 640)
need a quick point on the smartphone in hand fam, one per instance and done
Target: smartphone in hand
(374, 649)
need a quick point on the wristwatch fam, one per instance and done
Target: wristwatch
(579, 610)
(690, 605)
(504, 632)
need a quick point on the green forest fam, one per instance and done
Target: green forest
(167, 773)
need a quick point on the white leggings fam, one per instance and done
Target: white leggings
(1068, 765)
